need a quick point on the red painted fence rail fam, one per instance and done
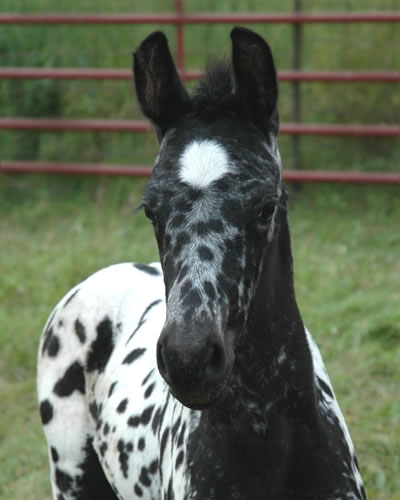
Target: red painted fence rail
(201, 18)
(180, 19)
(60, 124)
(74, 168)
(125, 74)
(144, 171)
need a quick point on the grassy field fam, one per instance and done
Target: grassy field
(54, 232)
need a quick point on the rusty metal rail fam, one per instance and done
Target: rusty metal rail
(144, 171)
(201, 18)
(180, 19)
(95, 125)
(124, 74)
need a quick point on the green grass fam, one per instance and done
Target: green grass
(56, 231)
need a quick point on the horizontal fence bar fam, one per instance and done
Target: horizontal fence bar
(340, 130)
(144, 171)
(55, 124)
(342, 177)
(340, 76)
(124, 74)
(45, 124)
(65, 73)
(74, 168)
(200, 18)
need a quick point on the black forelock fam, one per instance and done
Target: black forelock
(213, 95)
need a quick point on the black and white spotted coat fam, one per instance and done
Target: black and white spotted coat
(199, 382)
(99, 387)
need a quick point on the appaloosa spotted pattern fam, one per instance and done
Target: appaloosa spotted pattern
(196, 379)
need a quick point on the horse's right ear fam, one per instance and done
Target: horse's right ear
(255, 78)
(159, 89)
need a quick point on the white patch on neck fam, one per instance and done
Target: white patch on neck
(203, 163)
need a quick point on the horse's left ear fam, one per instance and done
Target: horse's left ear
(160, 91)
(255, 78)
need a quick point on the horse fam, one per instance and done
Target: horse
(196, 378)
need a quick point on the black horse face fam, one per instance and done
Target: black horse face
(215, 201)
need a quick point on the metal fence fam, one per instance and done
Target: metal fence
(180, 19)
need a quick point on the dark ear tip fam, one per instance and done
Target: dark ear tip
(157, 38)
(239, 33)
(239, 30)
(248, 41)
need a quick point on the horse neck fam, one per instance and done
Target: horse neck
(273, 373)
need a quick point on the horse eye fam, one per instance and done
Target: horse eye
(266, 213)
(150, 215)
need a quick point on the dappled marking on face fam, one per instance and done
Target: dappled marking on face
(203, 162)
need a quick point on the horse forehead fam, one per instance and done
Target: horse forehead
(202, 162)
(207, 168)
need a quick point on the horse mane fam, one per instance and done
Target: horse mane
(213, 94)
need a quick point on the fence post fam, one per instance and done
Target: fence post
(179, 34)
(296, 91)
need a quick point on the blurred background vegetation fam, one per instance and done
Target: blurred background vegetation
(363, 46)
(55, 230)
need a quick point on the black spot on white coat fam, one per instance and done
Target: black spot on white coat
(72, 380)
(134, 355)
(80, 331)
(46, 411)
(102, 347)
(121, 408)
(147, 269)
(50, 342)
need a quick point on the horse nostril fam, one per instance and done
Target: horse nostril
(160, 361)
(186, 365)
(213, 362)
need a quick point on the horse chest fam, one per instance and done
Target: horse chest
(229, 462)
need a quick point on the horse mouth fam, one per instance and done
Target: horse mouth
(202, 400)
